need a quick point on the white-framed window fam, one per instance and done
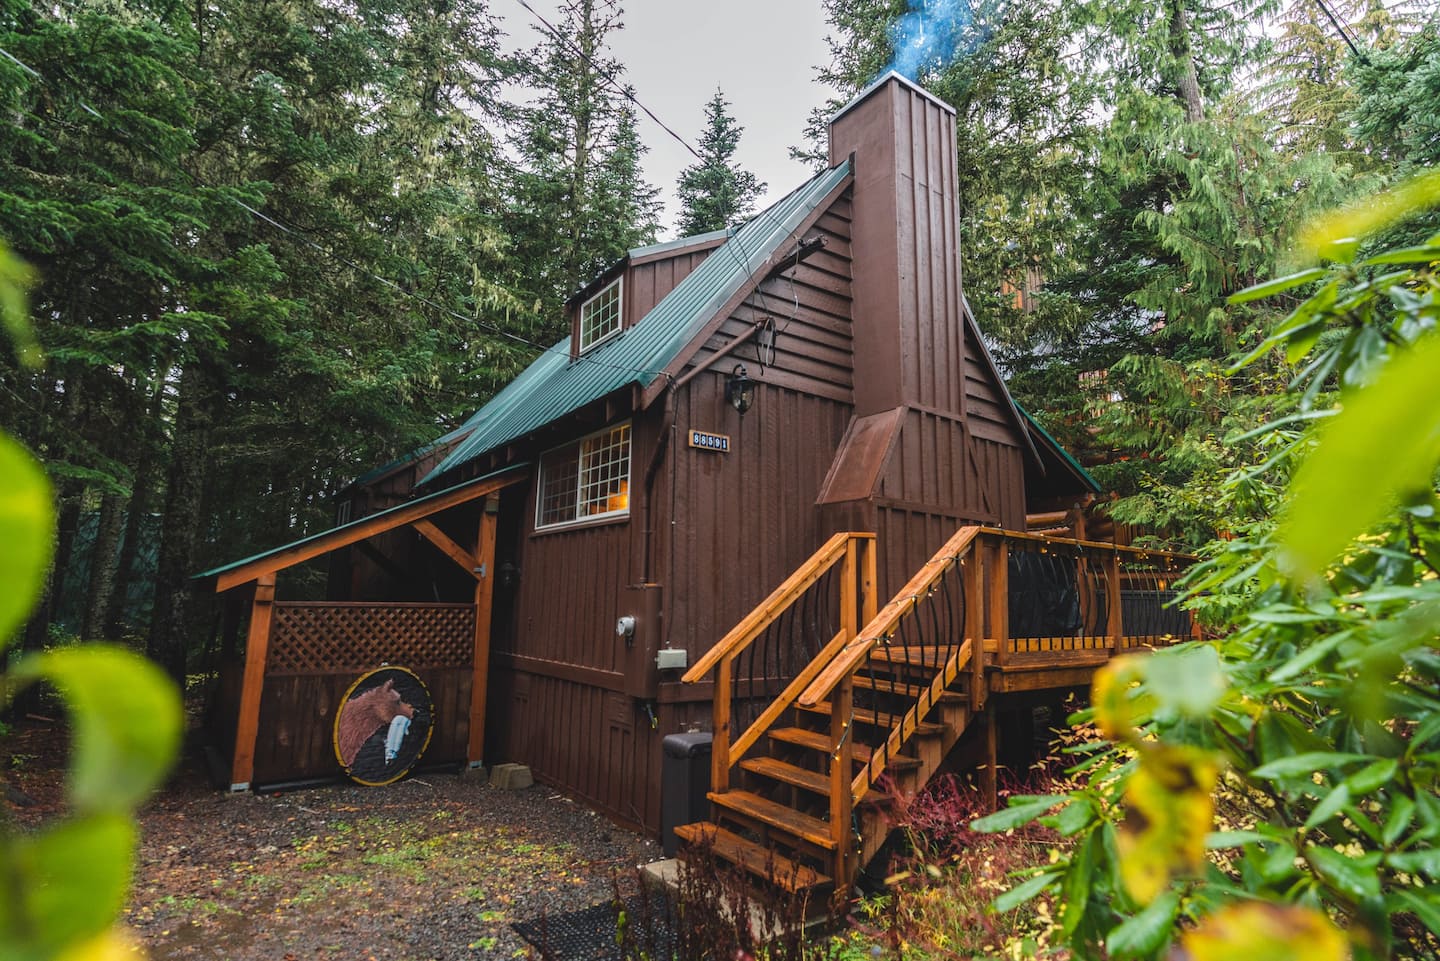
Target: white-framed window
(585, 479)
(600, 316)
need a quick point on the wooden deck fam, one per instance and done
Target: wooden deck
(883, 705)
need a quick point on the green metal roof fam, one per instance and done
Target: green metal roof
(554, 385)
(1065, 455)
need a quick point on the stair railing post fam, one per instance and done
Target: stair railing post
(720, 743)
(842, 734)
(842, 766)
(1114, 621)
(869, 581)
(973, 577)
(999, 599)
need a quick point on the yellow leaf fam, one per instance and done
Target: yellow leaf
(113, 945)
(1116, 710)
(1170, 808)
(1275, 932)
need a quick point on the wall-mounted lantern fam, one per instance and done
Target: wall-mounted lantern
(740, 389)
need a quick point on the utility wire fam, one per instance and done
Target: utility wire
(622, 89)
(1344, 34)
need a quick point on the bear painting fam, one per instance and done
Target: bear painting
(364, 714)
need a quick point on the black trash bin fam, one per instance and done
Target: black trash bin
(684, 782)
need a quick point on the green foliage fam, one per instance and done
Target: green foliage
(63, 887)
(715, 193)
(27, 521)
(1321, 712)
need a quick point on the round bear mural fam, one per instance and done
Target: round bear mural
(383, 725)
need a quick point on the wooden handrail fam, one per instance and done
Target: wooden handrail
(857, 651)
(1095, 545)
(773, 606)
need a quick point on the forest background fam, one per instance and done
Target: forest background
(276, 244)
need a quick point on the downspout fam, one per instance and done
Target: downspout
(652, 471)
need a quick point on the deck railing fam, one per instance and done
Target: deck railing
(767, 659)
(987, 600)
(1007, 600)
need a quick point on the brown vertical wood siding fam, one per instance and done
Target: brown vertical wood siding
(647, 284)
(743, 521)
(909, 329)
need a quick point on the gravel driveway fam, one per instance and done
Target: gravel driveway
(434, 868)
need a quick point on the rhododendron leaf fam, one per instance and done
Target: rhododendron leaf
(1170, 808)
(27, 524)
(126, 717)
(1273, 932)
(66, 884)
(1146, 932)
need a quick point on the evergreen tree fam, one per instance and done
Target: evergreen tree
(266, 235)
(578, 202)
(715, 193)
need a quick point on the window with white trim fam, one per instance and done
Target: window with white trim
(587, 479)
(600, 316)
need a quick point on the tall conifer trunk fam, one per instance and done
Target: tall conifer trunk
(1187, 81)
(102, 563)
(170, 628)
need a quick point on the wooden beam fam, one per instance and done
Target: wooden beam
(448, 547)
(484, 605)
(257, 643)
(313, 547)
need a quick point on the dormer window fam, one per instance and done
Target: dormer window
(600, 317)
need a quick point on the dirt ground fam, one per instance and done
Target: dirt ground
(434, 868)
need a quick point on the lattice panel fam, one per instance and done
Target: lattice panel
(324, 638)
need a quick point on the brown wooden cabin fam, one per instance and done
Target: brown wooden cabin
(616, 479)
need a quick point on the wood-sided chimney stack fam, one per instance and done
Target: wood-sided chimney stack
(909, 333)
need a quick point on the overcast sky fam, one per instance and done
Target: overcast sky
(761, 53)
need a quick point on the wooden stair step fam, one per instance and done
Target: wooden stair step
(803, 778)
(776, 815)
(821, 742)
(908, 691)
(864, 716)
(775, 868)
(932, 658)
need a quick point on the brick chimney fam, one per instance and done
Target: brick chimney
(909, 335)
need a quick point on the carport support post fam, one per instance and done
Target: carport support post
(257, 644)
(484, 600)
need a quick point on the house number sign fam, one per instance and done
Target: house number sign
(707, 441)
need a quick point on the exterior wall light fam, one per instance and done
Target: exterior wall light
(740, 389)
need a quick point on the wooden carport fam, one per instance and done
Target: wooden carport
(259, 573)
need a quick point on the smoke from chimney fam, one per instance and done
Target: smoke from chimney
(934, 33)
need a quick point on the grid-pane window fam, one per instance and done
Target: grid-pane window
(587, 479)
(600, 316)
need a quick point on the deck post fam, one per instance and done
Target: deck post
(973, 577)
(1114, 621)
(484, 603)
(999, 599)
(720, 743)
(989, 776)
(842, 771)
(869, 580)
(842, 735)
(257, 643)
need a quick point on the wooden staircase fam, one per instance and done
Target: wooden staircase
(824, 705)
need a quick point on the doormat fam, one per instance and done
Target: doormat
(591, 934)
